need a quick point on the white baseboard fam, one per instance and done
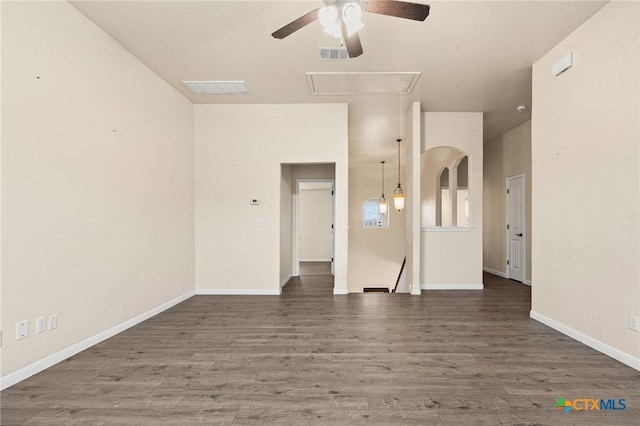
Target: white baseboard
(237, 292)
(27, 371)
(315, 260)
(452, 286)
(286, 280)
(614, 353)
(527, 282)
(338, 291)
(494, 272)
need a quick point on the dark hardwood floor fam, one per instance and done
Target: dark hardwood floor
(308, 357)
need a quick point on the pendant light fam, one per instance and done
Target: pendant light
(398, 193)
(382, 202)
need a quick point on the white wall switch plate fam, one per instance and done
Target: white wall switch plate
(22, 329)
(41, 324)
(53, 322)
(634, 322)
(254, 201)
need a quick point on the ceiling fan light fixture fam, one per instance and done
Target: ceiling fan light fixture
(328, 17)
(352, 18)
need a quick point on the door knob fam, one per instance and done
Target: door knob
(518, 235)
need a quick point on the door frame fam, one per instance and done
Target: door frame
(296, 232)
(524, 226)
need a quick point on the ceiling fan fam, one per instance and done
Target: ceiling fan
(341, 19)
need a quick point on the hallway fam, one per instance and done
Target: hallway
(315, 279)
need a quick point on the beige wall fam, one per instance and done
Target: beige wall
(314, 222)
(97, 182)
(239, 152)
(1, 221)
(314, 171)
(509, 155)
(585, 158)
(286, 223)
(413, 147)
(454, 257)
(375, 255)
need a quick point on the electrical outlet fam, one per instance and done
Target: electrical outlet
(220, 273)
(634, 322)
(22, 329)
(53, 322)
(41, 324)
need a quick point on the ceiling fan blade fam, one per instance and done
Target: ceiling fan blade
(399, 9)
(353, 45)
(295, 25)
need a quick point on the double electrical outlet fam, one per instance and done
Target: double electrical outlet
(22, 327)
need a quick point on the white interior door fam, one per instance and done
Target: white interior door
(515, 228)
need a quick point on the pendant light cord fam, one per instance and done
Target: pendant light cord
(399, 140)
(401, 117)
(382, 183)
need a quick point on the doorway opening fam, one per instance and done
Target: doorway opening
(314, 239)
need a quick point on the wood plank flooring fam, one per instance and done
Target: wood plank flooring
(308, 357)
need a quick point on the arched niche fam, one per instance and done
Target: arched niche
(444, 198)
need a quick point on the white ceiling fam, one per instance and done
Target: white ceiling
(473, 55)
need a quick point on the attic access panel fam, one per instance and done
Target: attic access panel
(361, 83)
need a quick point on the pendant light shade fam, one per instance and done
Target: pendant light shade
(398, 198)
(382, 202)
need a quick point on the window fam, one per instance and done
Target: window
(371, 216)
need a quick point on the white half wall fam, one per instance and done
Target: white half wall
(586, 187)
(97, 183)
(239, 152)
(454, 256)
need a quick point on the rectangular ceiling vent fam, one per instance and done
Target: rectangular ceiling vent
(218, 87)
(333, 54)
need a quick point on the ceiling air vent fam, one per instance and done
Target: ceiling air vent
(333, 54)
(218, 87)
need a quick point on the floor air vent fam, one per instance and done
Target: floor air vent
(375, 290)
(333, 54)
